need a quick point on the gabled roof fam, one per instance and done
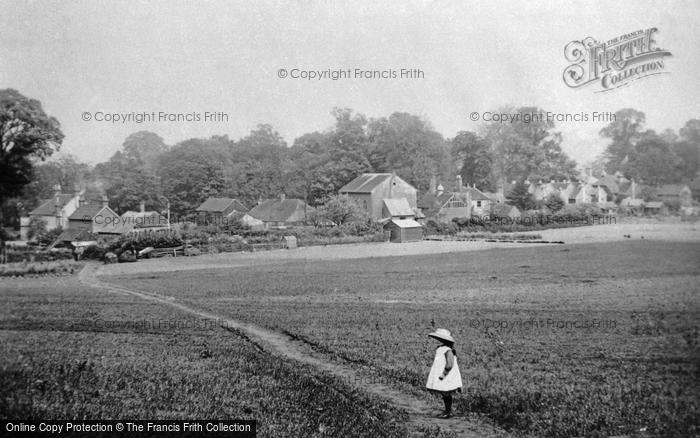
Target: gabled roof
(629, 202)
(476, 194)
(278, 210)
(219, 205)
(398, 207)
(146, 219)
(610, 182)
(48, 207)
(431, 203)
(406, 223)
(86, 212)
(670, 189)
(72, 235)
(365, 183)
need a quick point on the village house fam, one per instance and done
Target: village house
(280, 212)
(461, 202)
(97, 218)
(369, 191)
(675, 194)
(218, 210)
(142, 221)
(53, 212)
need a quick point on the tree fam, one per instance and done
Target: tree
(408, 145)
(340, 209)
(26, 134)
(652, 160)
(472, 152)
(624, 132)
(554, 202)
(193, 170)
(527, 147)
(520, 197)
(688, 150)
(37, 227)
(144, 148)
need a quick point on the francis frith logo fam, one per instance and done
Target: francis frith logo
(614, 63)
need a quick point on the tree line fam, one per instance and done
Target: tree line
(262, 165)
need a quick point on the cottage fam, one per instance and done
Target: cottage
(281, 212)
(678, 194)
(369, 191)
(632, 206)
(53, 212)
(218, 210)
(445, 206)
(404, 230)
(655, 207)
(97, 218)
(142, 221)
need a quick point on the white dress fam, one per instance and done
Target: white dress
(452, 381)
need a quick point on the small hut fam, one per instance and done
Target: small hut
(404, 230)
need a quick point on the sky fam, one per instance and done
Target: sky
(190, 58)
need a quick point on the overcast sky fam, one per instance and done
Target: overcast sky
(192, 57)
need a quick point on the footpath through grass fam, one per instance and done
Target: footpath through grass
(594, 340)
(70, 352)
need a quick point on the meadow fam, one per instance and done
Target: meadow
(71, 352)
(577, 340)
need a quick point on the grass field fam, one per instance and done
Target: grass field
(595, 340)
(71, 352)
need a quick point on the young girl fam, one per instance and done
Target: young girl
(444, 377)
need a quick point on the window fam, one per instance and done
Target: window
(364, 204)
(572, 200)
(478, 203)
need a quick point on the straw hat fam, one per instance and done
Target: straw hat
(442, 334)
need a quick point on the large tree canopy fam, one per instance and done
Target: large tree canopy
(26, 134)
(624, 133)
(527, 148)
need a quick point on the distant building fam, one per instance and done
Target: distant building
(217, 210)
(97, 218)
(369, 191)
(679, 194)
(461, 202)
(397, 209)
(142, 221)
(404, 230)
(54, 211)
(281, 212)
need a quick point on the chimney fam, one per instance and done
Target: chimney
(56, 189)
(142, 207)
(459, 183)
(76, 195)
(282, 196)
(57, 207)
(105, 201)
(433, 184)
(440, 189)
(589, 172)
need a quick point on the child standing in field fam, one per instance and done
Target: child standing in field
(444, 378)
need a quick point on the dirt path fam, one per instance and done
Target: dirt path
(420, 412)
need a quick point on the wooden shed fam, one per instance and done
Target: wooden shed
(404, 230)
